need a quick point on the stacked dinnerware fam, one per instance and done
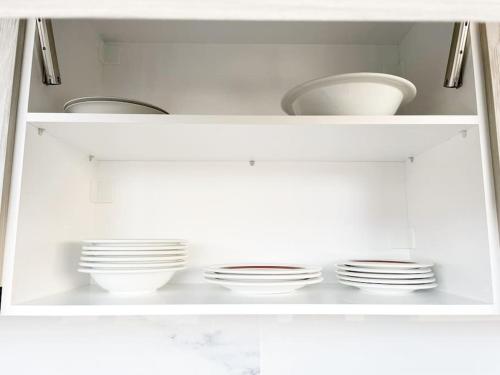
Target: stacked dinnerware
(262, 278)
(387, 276)
(132, 266)
(103, 104)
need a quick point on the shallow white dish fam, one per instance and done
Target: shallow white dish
(128, 252)
(134, 248)
(384, 270)
(128, 271)
(389, 281)
(262, 269)
(219, 276)
(387, 264)
(260, 288)
(110, 265)
(103, 104)
(399, 276)
(388, 289)
(123, 259)
(349, 94)
(137, 241)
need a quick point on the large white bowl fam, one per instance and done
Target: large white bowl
(350, 94)
(130, 282)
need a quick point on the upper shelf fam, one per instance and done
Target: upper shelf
(245, 138)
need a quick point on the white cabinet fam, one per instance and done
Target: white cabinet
(242, 181)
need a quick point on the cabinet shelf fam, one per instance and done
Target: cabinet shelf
(244, 138)
(210, 299)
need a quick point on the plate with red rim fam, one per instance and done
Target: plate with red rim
(384, 270)
(263, 278)
(399, 276)
(373, 263)
(262, 269)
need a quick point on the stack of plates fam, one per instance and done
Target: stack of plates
(132, 266)
(262, 278)
(106, 104)
(386, 276)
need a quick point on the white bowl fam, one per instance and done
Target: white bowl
(144, 281)
(97, 104)
(350, 94)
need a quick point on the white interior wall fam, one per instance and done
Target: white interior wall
(232, 78)
(55, 213)
(447, 214)
(313, 213)
(423, 58)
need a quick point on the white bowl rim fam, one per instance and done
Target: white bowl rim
(103, 99)
(408, 88)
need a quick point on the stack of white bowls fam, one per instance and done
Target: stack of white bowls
(387, 276)
(263, 278)
(132, 266)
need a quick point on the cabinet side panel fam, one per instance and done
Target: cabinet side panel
(448, 215)
(424, 55)
(55, 213)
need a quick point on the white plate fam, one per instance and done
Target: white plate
(388, 281)
(103, 104)
(384, 270)
(219, 276)
(349, 94)
(261, 269)
(399, 276)
(132, 265)
(121, 259)
(387, 264)
(134, 248)
(259, 288)
(144, 241)
(135, 270)
(119, 252)
(388, 289)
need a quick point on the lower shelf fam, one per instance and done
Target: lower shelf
(203, 299)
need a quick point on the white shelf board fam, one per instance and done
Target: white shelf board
(202, 299)
(244, 138)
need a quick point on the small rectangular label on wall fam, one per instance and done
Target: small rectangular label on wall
(101, 192)
(109, 53)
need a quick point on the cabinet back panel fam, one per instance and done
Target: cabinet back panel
(272, 212)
